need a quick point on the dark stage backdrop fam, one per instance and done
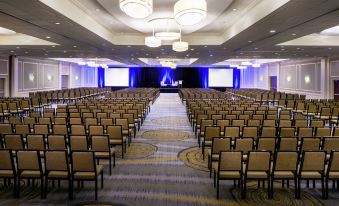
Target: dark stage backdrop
(192, 77)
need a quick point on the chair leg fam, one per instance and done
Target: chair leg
(110, 165)
(70, 188)
(15, 187)
(295, 188)
(42, 187)
(326, 188)
(322, 188)
(96, 189)
(299, 184)
(218, 187)
(46, 186)
(214, 178)
(245, 187)
(114, 160)
(102, 180)
(18, 189)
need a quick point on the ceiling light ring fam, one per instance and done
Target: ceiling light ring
(190, 12)
(129, 8)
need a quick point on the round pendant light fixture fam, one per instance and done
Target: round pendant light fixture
(138, 9)
(180, 46)
(190, 12)
(152, 41)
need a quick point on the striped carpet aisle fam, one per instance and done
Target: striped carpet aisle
(163, 166)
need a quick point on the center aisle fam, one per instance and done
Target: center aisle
(154, 174)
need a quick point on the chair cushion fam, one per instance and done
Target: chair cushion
(333, 175)
(256, 175)
(88, 175)
(310, 175)
(104, 154)
(229, 174)
(6, 173)
(58, 174)
(283, 174)
(30, 173)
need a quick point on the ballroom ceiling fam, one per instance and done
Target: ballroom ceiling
(232, 29)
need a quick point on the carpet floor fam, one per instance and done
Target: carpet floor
(163, 166)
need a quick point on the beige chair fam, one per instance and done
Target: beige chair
(29, 167)
(57, 168)
(287, 132)
(210, 133)
(6, 129)
(312, 167)
(258, 167)
(78, 130)
(229, 167)
(75, 121)
(310, 144)
(85, 169)
(36, 142)
(245, 145)
(78, 143)
(41, 129)
(268, 132)
(250, 131)
(101, 146)
(267, 144)
(330, 144)
(22, 129)
(322, 132)
(56, 142)
(126, 131)
(288, 144)
(7, 168)
(285, 166)
(218, 144)
(14, 142)
(60, 129)
(332, 172)
(117, 138)
(96, 130)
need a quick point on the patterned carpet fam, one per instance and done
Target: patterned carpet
(163, 166)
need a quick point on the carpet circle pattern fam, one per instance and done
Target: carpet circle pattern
(192, 157)
(170, 121)
(282, 196)
(137, 150)
(165, 135)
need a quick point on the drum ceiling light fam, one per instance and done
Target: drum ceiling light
(190, 12)
(180, 46)
(138, 9)
(152, 41)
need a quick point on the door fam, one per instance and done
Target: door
(64, 82)
(273, 83)
(336, 89)
(2, 87)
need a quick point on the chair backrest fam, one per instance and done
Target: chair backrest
(15, 120)
(230, 161)
(60, 120)
(56, 142)
(285, 123)
(210, 132)
(266, 143)
(83, 161)
(317, 123)
(322, 131)
(60, 129)
(330, 143)
(122, 122)
(286, 161)
(56, 160)
(268, 132)
(115, 132)
(96, 130)
(221, 144)
(35, 142)
(287, 132)
(105, 122)
(205, 123)
(313, 161)
(6, 129)
(6, 160)
(310, 144)
(249, 131)
(222, 123)
(78, 143)
(41, 129)
(244, 144)
(269, 123)
(300, 123)
(78, 130)
(288, 144)
(45, 120)
(22, 129)
(305, 132)
(91, 121)
(28, 160)
(259, 161)
(232, 131)
(334, 162)
(253, 122)
(100, 143)
(14, 142)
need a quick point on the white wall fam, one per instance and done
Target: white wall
(255, 77)
(43, 74)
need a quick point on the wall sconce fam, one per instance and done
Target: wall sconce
(31, 77)
(261, 78)
(76, 77)
(49, 77)
(289, 78)
(307, 79)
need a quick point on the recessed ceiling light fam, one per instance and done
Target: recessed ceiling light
(74, 46)
(234, 9)
(26, 52)
(249, 41)
(57, 23)
(12, 51)
(255, 48)
(65, 51)
(129, 46)
(272, 31)
(282, 49)
(48, 37)
(46, 54)
(329, 48)
(192, 49)
(211, 55)
(97, 9)
(17, 47)
(294, 34)
(53, 46)
(205, 46)
(298, 48)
